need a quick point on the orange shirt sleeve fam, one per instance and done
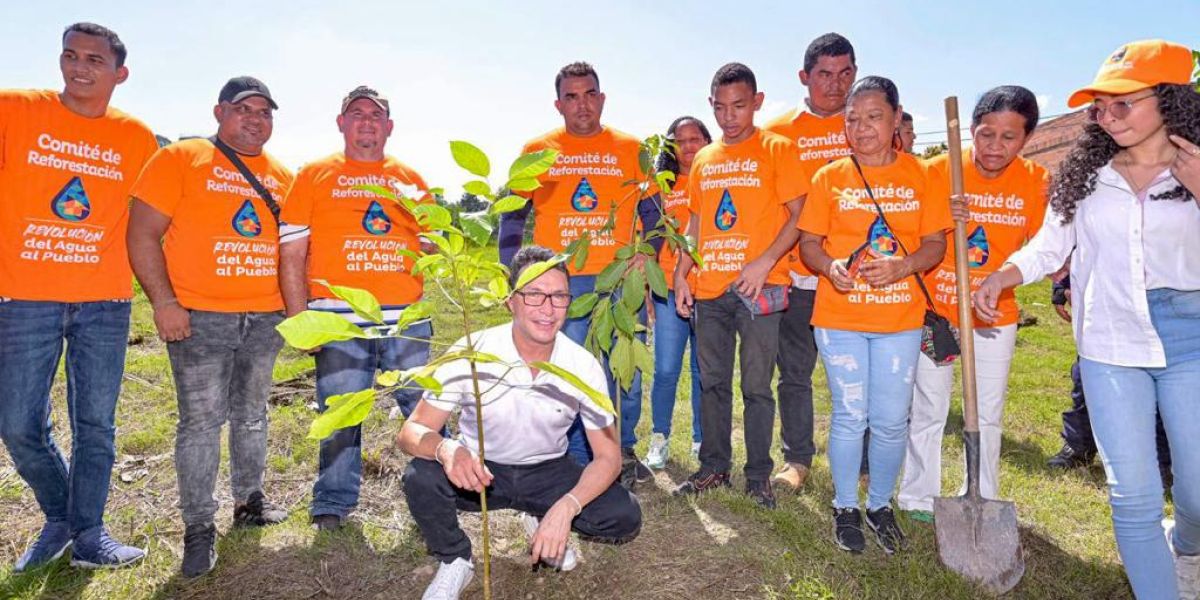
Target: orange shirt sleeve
(161, 183)
(816, 215)
(1038, 199)
(298, 206)
(935, 205)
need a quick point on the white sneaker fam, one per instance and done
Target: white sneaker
(1187, 568)
(569, 559)
(696, 450)
(450, 581)
(660, 450)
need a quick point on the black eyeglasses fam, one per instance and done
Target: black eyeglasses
(1119, 109)
(562, 300)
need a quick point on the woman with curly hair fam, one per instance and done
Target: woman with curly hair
(1125, 199)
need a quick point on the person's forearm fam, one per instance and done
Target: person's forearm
(686, 262)
(419, 441)
(293, 284)
(597, 476)
(928, 255)
(813, 254)
(1009, 276)
(150, 265)
(512, 232)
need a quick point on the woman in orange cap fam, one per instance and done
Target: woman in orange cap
(1126, 198)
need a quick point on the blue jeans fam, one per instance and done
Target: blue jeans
(349, 366)
(631, 401)
(871, 379)
(31, 344)
(1122, 402)
(671, 335)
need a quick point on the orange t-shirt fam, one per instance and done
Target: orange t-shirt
(821, 140)
(677, 206)
(1005, 213)
(222, 245)
(64, 198)
(738, 194)
(838, 208)
(354, 234)
(578, 191)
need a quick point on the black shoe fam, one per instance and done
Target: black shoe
(701, 481)
(633, 471)
(257, 512)
(1069, 458)
(327, 522)
(887, 533)
(199, 549)
(761, 491)
(847, 530)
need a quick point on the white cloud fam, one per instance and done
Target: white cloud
(1043, 101)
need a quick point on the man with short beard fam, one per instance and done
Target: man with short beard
(203, 243)
(67, 160)
(326, 213)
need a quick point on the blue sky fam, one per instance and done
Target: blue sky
(484, 71)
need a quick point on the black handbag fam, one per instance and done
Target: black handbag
(939, 339)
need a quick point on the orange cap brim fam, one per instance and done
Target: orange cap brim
(1112, 87)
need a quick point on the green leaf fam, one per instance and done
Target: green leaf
(601, 400)
(664, 179)
(529, 166)
(389, 378)
(341, 411)
(507, 204)
(579, 249)
(621, 361)
(311, 328)
(602, 323)
(362, 302)
(608, 278)
(418, 311)
(432, 216)
(625, 252)
(470, 158)
(525, 184)
(429, 383)
(623, 319)
(656, 278)
(645, 162)
(536, 270)
(477, 228)
(643, 357)
(477, 188)
(583, 305)
(633, 292)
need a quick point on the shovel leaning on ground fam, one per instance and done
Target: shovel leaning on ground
(976, 537)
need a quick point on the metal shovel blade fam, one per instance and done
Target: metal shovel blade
(978, 539)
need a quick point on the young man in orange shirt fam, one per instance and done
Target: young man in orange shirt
(67, 160)
(818, 128)
(575, 199)
(331, 231)
(746, 191)
(204, 245)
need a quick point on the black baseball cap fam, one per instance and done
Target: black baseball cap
(363, 91)
(240, 88)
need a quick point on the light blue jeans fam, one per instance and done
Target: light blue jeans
(871, 384)
(672, 333)
(1122, 402)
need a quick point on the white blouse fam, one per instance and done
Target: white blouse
(1123, 246)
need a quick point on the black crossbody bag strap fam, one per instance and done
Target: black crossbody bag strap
(878, 209)
(233, 157)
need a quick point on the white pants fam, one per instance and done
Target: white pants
(922, 479)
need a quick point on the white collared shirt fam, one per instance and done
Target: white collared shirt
(1123, 246)
(525, 418)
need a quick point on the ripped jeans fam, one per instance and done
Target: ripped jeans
(222, 373)
(871, 384)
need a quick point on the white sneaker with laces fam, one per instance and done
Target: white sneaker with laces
(450, 581)
(660, 450)
(569, 559)
(1187, 568)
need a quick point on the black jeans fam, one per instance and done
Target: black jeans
(719, 323)
(797, 357)
(1077, 428)
(614, 517)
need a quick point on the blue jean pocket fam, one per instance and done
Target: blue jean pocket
(1185, 304)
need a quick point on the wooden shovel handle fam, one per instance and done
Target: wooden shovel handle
(962, 273)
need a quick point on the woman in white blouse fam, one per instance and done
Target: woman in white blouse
(1126, 200)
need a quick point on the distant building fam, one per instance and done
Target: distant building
(1049, 144)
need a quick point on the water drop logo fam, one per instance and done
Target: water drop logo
(882, 239)
(375, 221)
(71, 203)
(726, 215)
(246, 221)
(584, 197)
(977, 247)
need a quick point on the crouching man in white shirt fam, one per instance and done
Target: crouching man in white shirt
(526, 416)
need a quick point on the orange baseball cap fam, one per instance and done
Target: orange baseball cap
(1137, 66)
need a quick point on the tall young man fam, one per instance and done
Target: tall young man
(334, 232)
(204, 245)
(575, 199)
(746, 190)
(817, 126)
(67, 160)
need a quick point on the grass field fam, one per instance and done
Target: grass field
(719, 546)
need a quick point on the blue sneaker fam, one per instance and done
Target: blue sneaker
(95, 549)
(50, 544)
